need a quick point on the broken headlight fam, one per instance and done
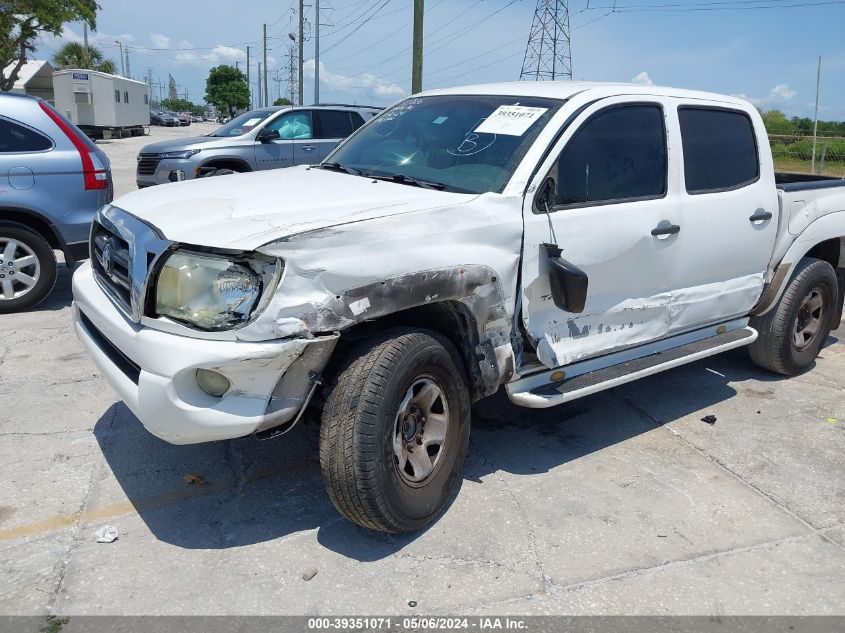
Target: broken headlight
(212, 292)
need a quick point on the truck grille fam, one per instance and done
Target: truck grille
(112, 264)
(147, 164)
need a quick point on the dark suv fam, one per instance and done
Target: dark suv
(54, 180)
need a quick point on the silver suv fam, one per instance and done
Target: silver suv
(53, 181)
(268, 138)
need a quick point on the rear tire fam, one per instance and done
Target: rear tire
(395, 429)
(793, 332)
(27, 268)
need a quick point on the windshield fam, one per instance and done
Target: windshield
(462, 143)
(243, 123)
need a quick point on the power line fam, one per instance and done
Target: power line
(348, 35)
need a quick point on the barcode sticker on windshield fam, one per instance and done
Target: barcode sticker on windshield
(251, 122)
(511, 120)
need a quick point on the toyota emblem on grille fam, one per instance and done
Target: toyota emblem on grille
(107, 260)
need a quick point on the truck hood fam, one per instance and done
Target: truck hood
(176, 144)
(246, 211)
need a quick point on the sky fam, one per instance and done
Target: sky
(766, 51)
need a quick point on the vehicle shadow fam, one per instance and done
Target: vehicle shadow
(62, 295)
(230, 494)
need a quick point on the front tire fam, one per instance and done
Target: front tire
(27, 268)
(394, 430)
(792, 333)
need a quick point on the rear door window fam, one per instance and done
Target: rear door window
(334, 123)
(720, 150)
(18, 138)
(617, 155)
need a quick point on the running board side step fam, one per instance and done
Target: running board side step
(526, 392)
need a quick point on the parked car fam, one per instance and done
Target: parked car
(261, 139)
(184, 118)
(55, 179)
(164, 119)
(554, 238)
(196, 119)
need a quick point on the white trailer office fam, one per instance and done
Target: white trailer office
(102, 104)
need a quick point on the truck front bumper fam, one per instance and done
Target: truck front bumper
(154, 372)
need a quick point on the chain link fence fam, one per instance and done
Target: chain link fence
(794, 153)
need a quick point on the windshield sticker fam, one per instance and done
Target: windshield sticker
(511, 120)
(251, 122)
(440, 120)
(473, 142)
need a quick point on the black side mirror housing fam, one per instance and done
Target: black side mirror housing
(265, 135)
(568, 282)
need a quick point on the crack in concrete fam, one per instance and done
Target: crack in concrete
(75, 537)
(556, 589)
(532, 537)
(727, 469)
(464, 562)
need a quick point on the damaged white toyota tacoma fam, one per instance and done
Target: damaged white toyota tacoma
(553, 238)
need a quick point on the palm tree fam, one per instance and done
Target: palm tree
(72, 55)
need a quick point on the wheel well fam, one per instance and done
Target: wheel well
(36, 223)
(829, 251)
(227, 163)
(451, 319)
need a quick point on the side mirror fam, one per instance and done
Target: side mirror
(568, 282)
(266, 136)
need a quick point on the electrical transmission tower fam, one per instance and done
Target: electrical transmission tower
(548, 54)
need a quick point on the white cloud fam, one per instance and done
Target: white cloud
(94, 37)
(643, 78)
(780, 95)
(354, 85)
(782, 92)
(220, 54)
(160, 41)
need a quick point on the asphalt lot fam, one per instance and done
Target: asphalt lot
(621, 503)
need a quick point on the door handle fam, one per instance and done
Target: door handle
(672, 229)
(308, 148)
(760, 215)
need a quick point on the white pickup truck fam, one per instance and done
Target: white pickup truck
(554, 238)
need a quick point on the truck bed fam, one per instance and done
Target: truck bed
(804, 182)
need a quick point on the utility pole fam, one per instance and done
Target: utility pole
(316, 52)
(85, 39)
(548, 54)
(417, 61)
(122, 67)
(816, 117)
(248, 85)
(128, 71)
(259, 85)
(265, 66)
(301, 43)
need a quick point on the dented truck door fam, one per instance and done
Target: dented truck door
(614, 214)
(730, 205)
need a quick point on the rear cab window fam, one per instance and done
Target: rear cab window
(720, 149)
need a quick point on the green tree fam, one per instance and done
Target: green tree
(226, 88)
(777, 123)
(182, 105)
(22, 21)
(73, 55)
(282, 101)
